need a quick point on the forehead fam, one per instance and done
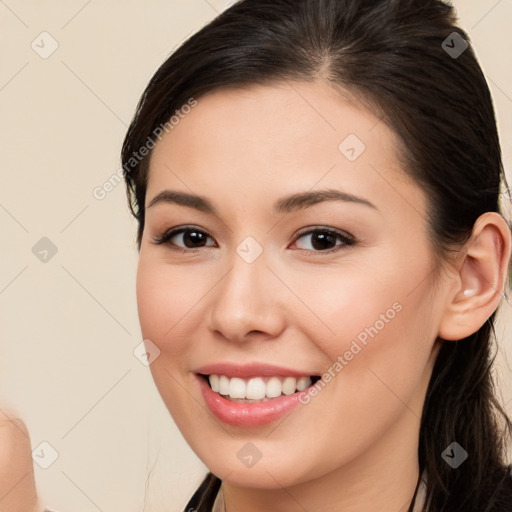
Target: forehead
(273, 140)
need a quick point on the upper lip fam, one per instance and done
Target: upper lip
(250, 370)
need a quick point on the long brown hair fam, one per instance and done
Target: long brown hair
(413, 66)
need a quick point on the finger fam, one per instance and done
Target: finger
(17, 483)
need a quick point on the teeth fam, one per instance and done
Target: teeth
(223, 385)
(237, 388)
(214, 382)
(289, 385)
(303, 383)
(257, 388)
(274, 387)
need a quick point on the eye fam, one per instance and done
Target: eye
(190, 235)
(194, 238)
(322, 238)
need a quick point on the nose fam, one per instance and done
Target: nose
(248, 301)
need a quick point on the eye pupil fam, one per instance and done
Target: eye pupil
(323, 237)
(193, 236)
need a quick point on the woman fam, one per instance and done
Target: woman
(365, 123)
(322, 255)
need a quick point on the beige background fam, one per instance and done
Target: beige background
(69, 326)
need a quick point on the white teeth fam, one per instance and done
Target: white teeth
(273, 387)
(237, 388)
(257, 388)
(289, 385)
(303, 383)
(223, 385)
(214, 382)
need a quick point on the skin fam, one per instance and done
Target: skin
(17, 482)
(354, 445)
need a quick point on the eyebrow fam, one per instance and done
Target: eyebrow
(286, 204)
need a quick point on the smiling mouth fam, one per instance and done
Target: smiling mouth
(257, 389)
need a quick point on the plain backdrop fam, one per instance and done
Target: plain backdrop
(68, 324)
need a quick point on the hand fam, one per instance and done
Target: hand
(17, 484)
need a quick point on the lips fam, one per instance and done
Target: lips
(250, 413)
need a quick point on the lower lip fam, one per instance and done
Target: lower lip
(247, 414)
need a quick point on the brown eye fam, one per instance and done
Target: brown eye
(324, 240)
(192, 238)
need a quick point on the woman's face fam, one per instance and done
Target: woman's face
(254, 283)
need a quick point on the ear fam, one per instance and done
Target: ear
(480, 279)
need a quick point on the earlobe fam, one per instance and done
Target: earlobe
(480, 280)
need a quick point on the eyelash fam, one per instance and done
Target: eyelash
(347, 240)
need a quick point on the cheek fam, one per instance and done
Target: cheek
(382, 309)
(380, 332)
(165, 300)
(377, 366)
(166, 297)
